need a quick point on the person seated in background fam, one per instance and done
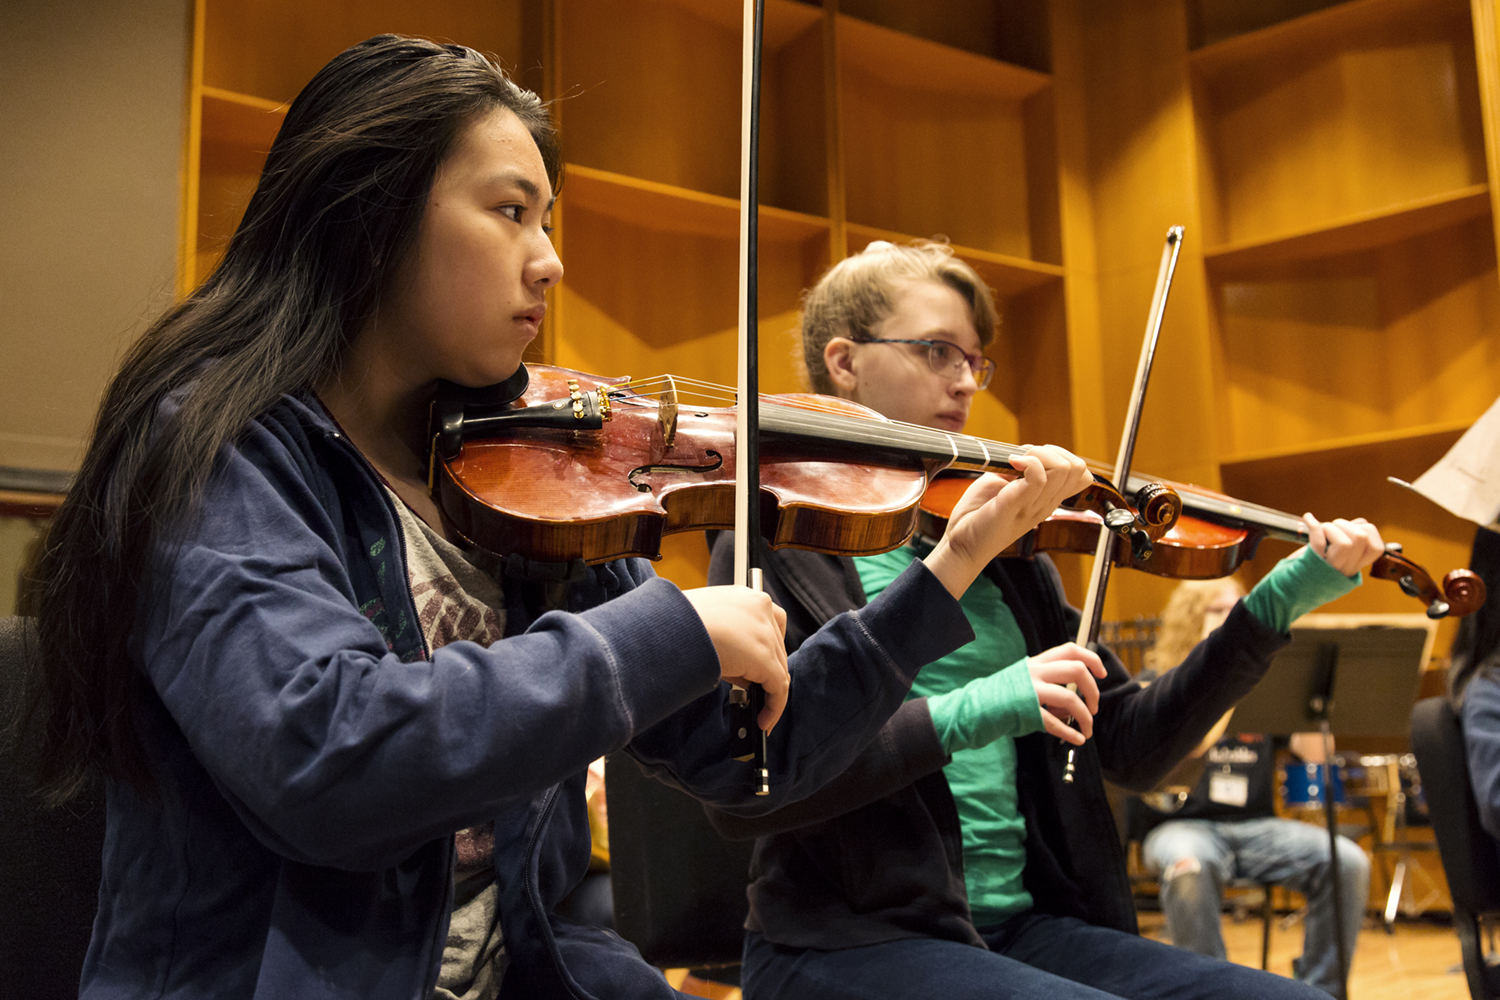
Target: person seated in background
(1474, 682)
(951, 861)
(1226, 829)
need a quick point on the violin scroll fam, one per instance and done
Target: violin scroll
(1160, 506)
(1156, 509)
(1462, 592)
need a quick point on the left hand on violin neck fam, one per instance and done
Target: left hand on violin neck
(1347, 546)
(994, 513)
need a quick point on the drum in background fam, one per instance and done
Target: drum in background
(1302, 785)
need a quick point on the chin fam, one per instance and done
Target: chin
(488, 376)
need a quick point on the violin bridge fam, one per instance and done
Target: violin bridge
(666, 413)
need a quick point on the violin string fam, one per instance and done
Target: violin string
(829, 421)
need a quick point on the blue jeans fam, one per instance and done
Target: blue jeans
(1197, 858)
(1031, 956)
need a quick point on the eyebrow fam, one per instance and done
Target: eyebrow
(525, 183)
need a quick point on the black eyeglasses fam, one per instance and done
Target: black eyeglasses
(945, 358)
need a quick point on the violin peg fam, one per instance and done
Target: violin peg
(1140, 546)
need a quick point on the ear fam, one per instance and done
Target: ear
(838, 358)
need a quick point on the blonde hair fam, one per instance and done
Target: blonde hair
(854, 296)
(1182, 621)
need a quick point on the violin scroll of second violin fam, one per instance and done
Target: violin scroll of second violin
(1462, 592)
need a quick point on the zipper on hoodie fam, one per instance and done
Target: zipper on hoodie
(390, 508)
(544, 817)
(430, 978)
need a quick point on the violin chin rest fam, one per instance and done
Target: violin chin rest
(498, 394)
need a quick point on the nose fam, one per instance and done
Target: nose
(545, 267)
(965, 384)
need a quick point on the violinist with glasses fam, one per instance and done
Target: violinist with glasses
(951, 860)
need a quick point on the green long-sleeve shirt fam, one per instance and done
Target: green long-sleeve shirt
(979, 710)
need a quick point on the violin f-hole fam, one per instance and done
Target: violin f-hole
(651, 470)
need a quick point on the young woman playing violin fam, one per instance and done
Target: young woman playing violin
(344, 758)
(950, 860)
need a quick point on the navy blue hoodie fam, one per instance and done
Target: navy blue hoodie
(314, 759)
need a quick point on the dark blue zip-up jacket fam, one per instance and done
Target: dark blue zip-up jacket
(877, 855)
(314, 759)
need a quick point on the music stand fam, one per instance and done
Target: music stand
(1358, 681)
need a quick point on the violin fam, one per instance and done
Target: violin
(1214, 536)
(558, 467)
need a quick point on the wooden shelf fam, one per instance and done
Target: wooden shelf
(1324, 29)
(653, 205)
(651, 284)
(907, 61)
(1365, 231)
(1436, 438)
(28, 504)
(1005, 274)
(240, 120)
(1347, 478)
(1334, 164)
(238, 130)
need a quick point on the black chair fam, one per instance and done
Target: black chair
(1470, 856)
(679, 887)
(49, 858)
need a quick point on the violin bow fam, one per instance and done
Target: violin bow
(746, 436)
(1093, 605)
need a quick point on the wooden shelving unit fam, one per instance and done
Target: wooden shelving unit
(1366, 231)
(1351, 282)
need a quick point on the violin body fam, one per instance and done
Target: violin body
(556, 494)
(1191, 549)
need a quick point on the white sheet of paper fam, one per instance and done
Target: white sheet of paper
(1229, 789)
(1466, 481)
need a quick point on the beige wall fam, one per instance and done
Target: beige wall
(91, 130)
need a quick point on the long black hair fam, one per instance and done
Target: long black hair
(338, 206)
(1476, 647)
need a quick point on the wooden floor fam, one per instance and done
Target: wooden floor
(1419, 962)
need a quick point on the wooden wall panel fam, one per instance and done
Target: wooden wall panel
(927, 152)
(89, 184)
(1131, 64)
(271, 48)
